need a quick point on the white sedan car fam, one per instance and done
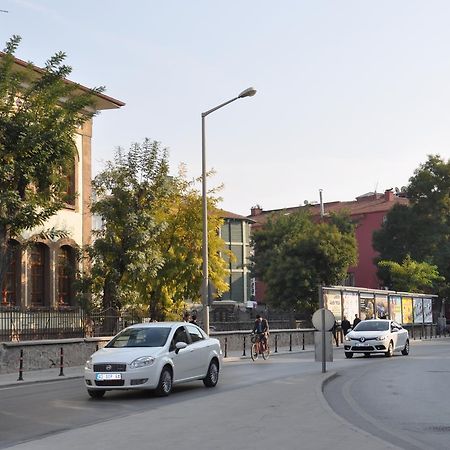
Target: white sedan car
(154, 356)
(376, 336)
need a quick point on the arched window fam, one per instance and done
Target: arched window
(11, 285)
(65, 273)
(39, 279)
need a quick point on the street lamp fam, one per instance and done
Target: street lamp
(250, 92)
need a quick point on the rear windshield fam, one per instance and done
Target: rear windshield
(372, 325)
(140, 337)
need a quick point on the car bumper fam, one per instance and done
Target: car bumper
(143, 378)
(366, 347)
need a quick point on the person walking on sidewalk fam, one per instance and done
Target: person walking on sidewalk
(356, 321)
(345, 325)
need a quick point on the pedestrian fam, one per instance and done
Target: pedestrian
(194, 318)
(186, 316)
(345, 325)
(334, 330)
(356, 321)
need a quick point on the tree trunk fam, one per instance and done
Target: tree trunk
(110, 305)
(4, 255)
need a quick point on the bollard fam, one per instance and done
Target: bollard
(243, 352)
(226, 347)
(96, 347)
(20, 366)
(303, 341)
(425, 332)
(61, 363)
(290, 342)
(276, 343)
(413, 333)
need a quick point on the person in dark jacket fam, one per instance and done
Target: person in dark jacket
(261, 328)
(345, 325)
(356, 321)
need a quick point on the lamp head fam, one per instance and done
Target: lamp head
(249, 92)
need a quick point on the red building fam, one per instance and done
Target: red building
(368, 211)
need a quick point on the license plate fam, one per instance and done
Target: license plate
(108, 376)
(360, 345)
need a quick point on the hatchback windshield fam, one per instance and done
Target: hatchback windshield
(140, 337)
(372, 325)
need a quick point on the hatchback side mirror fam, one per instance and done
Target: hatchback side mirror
(179, 346)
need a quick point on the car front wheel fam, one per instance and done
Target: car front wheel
(390, 350)
(405, 350)
(165, 383)
(348, 354)
(96, 393)
(212, 376)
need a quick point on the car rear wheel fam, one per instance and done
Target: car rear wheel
(165, 383)
(405, 350)
(390, 350)
(96, 393)
(349, 354)
(212, 377)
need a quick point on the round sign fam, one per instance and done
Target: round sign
(317, 320)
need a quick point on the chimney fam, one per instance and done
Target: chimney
(388, 195)
(255, 210)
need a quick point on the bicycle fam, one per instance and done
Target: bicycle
(258, 347)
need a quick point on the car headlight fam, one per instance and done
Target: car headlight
(381, 338)
(143, 361)
(347, 338)
(88, 364)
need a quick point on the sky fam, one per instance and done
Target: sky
(352, 95)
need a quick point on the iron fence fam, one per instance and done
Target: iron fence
(37, 324)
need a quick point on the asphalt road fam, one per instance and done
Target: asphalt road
(405, 400)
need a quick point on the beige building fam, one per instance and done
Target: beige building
(41, 274)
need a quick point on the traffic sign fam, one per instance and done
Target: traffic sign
(327, 324)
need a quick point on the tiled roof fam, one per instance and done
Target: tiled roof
(366, 204)
(229, 215)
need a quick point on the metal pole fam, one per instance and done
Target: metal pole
(205, 284)
(321, 305)
(322, 211)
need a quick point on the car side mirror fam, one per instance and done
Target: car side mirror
(179, 346)
(394, 330)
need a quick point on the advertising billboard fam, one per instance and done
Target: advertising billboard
(332, 301)
(418, 310)
(396, 308)
(427, 310)
(407, 309)
(351, 305)
(366, 307)
(381, 306)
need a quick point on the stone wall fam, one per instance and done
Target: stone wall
(45, 354)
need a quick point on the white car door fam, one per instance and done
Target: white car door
(200, 350)
(398, 336)
(182, 360)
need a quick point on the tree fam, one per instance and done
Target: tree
(422, 229)
(412, 276)
(148, 254)
(39, 113)
(293, 255)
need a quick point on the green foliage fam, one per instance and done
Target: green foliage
(422, 229)
(39, 113)
(293, 255)
(412, 276)
(148, 254)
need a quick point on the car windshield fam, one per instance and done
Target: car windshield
(140, 337)
(372, 325)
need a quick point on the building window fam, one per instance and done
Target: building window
(65, 272)
(238, 262)
(236, 231)
(39, 275)
(11, 285)
(68, 189)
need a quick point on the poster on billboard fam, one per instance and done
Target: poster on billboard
(407, 309)
(396, 308)
(427, 310)
(366, 306)
(381, 306)
(351, 305)
(332, 301)
(418, 310)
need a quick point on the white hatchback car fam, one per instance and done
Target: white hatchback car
(376, 336)
(154, 356)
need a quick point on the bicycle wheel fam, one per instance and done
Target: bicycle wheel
(265, 353)
(254, 351)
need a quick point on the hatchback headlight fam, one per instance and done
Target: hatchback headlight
(381, 338)
(143, 361)
(347, 338)
(88, 364)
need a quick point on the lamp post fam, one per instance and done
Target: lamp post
(205, 284)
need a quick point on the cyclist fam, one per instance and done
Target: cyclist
(261, 328)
